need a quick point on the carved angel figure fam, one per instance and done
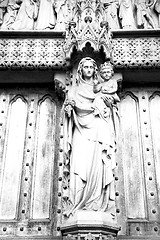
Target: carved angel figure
(143, 13)
(11, 13)
(89, 145)
(126, 14)
(46, 16)
(26, 16)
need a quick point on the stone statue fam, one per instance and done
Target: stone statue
(61, 9)
(26, 16)
(157, 9)
(106, 89)
(11, 13)
(72, 4)
(143, 13)
(111, 13)
(91, 140)
(46, 16)
(126, 14)
(3, 7)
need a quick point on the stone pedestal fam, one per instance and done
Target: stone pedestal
(90, 225)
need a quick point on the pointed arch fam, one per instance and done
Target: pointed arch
(13, 158)
(43, 159)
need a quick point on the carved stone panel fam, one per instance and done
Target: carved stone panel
(12, 158)
(137, 174)
(136, 52)
(32, 53)
(155, 120)
(29, 153)
(131, 157)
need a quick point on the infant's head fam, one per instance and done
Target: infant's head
(106, 71)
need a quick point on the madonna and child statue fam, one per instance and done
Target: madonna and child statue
(91, 127)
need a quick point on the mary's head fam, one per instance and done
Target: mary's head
(87, 70)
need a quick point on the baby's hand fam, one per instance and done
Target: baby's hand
(95, 82)
(96, 86)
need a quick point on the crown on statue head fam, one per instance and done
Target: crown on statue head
(106, 65)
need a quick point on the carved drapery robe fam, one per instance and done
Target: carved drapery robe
(46, 17)
(91, 143)
(111, 13)
(143, 14)
(157, 9)
(26, 16)
(10, 15)
(3, 6)
(126, 15)
(61, 9)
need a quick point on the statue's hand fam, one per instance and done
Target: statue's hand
(68, 106)
(108, 100)
(96, 86)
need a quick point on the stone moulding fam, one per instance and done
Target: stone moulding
(89, 236)
(90, 225)
(44, 50)
(136, 49)
(31, 50)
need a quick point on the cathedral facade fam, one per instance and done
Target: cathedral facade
(41, 45)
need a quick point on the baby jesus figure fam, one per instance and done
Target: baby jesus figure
(105, 89)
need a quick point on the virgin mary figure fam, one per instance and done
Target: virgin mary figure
(90, 145)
